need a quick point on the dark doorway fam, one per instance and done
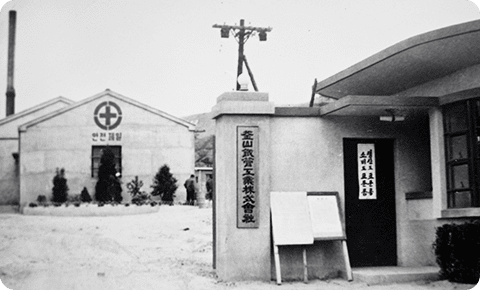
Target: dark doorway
(370, 223)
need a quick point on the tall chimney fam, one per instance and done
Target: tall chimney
(11, 56)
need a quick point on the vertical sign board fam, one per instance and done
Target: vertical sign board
(300, 218)
(325, 214)
(290, 218)
(291, 225)
(247, 177)
(366, 171)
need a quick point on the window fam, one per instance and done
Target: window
(462, 149)
(97, 154)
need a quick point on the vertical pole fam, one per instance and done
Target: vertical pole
(305, 267)
(312, 98)
(277, 265)
(241, 42)
(347, 261)
(214, 206)
(250, 74)
(10, 104)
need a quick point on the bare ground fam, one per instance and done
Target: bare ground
(171, 249)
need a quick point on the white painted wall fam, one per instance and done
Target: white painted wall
(65, 141)
(9, 170)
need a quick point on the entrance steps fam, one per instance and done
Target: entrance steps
(390, 275)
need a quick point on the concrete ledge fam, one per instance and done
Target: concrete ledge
(418, 195)
(90, 210)
(242, 108)
(9, 208)
(243, 96)
(390, 275)
(461, 212)
(297, 111)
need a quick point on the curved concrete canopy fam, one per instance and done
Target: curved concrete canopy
(409, 63)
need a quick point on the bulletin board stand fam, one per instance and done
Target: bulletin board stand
(301, 218)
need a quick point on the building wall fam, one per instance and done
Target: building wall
(10, 128)
(201, 175)
(9, 183)
(242, 254)
(9, 169)
(460, 85)
(65, 141)
(307, 155)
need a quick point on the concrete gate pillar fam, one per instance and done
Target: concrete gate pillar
(242, 246)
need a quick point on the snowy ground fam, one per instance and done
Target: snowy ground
(171, 249)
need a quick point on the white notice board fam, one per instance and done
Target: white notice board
(291, 222)
(325, 214)
(300, 218)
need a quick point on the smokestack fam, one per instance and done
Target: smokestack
(11, 56)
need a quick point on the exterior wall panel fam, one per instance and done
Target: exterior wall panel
(65, 141)
(307, 155)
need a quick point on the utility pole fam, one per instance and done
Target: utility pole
(242, 33)
(241, 43)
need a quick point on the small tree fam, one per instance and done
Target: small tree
(108, 186)
(134, 187)
(164, 184)
(60, 187)
(85, 196)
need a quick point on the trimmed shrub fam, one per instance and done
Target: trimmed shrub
(41, 199)
(457, 252)
(85, 196)
(74, 198)
(108, 186)
(164, 184)
(138, 196)
(60, 188)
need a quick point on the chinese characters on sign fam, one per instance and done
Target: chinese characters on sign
(106, 136)
(247, 177)
(366, 171)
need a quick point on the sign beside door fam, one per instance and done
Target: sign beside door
(367, 184)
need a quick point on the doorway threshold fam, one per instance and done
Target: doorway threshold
(394, 274)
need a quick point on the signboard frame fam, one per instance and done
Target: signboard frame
(285, 222)
(306, 241)
(248, 215)
(339, 213)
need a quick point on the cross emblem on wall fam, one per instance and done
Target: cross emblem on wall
(108, 115)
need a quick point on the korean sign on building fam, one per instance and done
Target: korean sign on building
(366, 171)
(104, 137)
(107, 116)
(247, 177)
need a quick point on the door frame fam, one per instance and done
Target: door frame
(389, 150)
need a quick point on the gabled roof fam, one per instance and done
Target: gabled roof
(35, 109)
(112, 94)
(409, 63)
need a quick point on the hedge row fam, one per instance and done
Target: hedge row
(457, 251)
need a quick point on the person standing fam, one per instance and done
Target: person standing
(209, 186)
(190, 186)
